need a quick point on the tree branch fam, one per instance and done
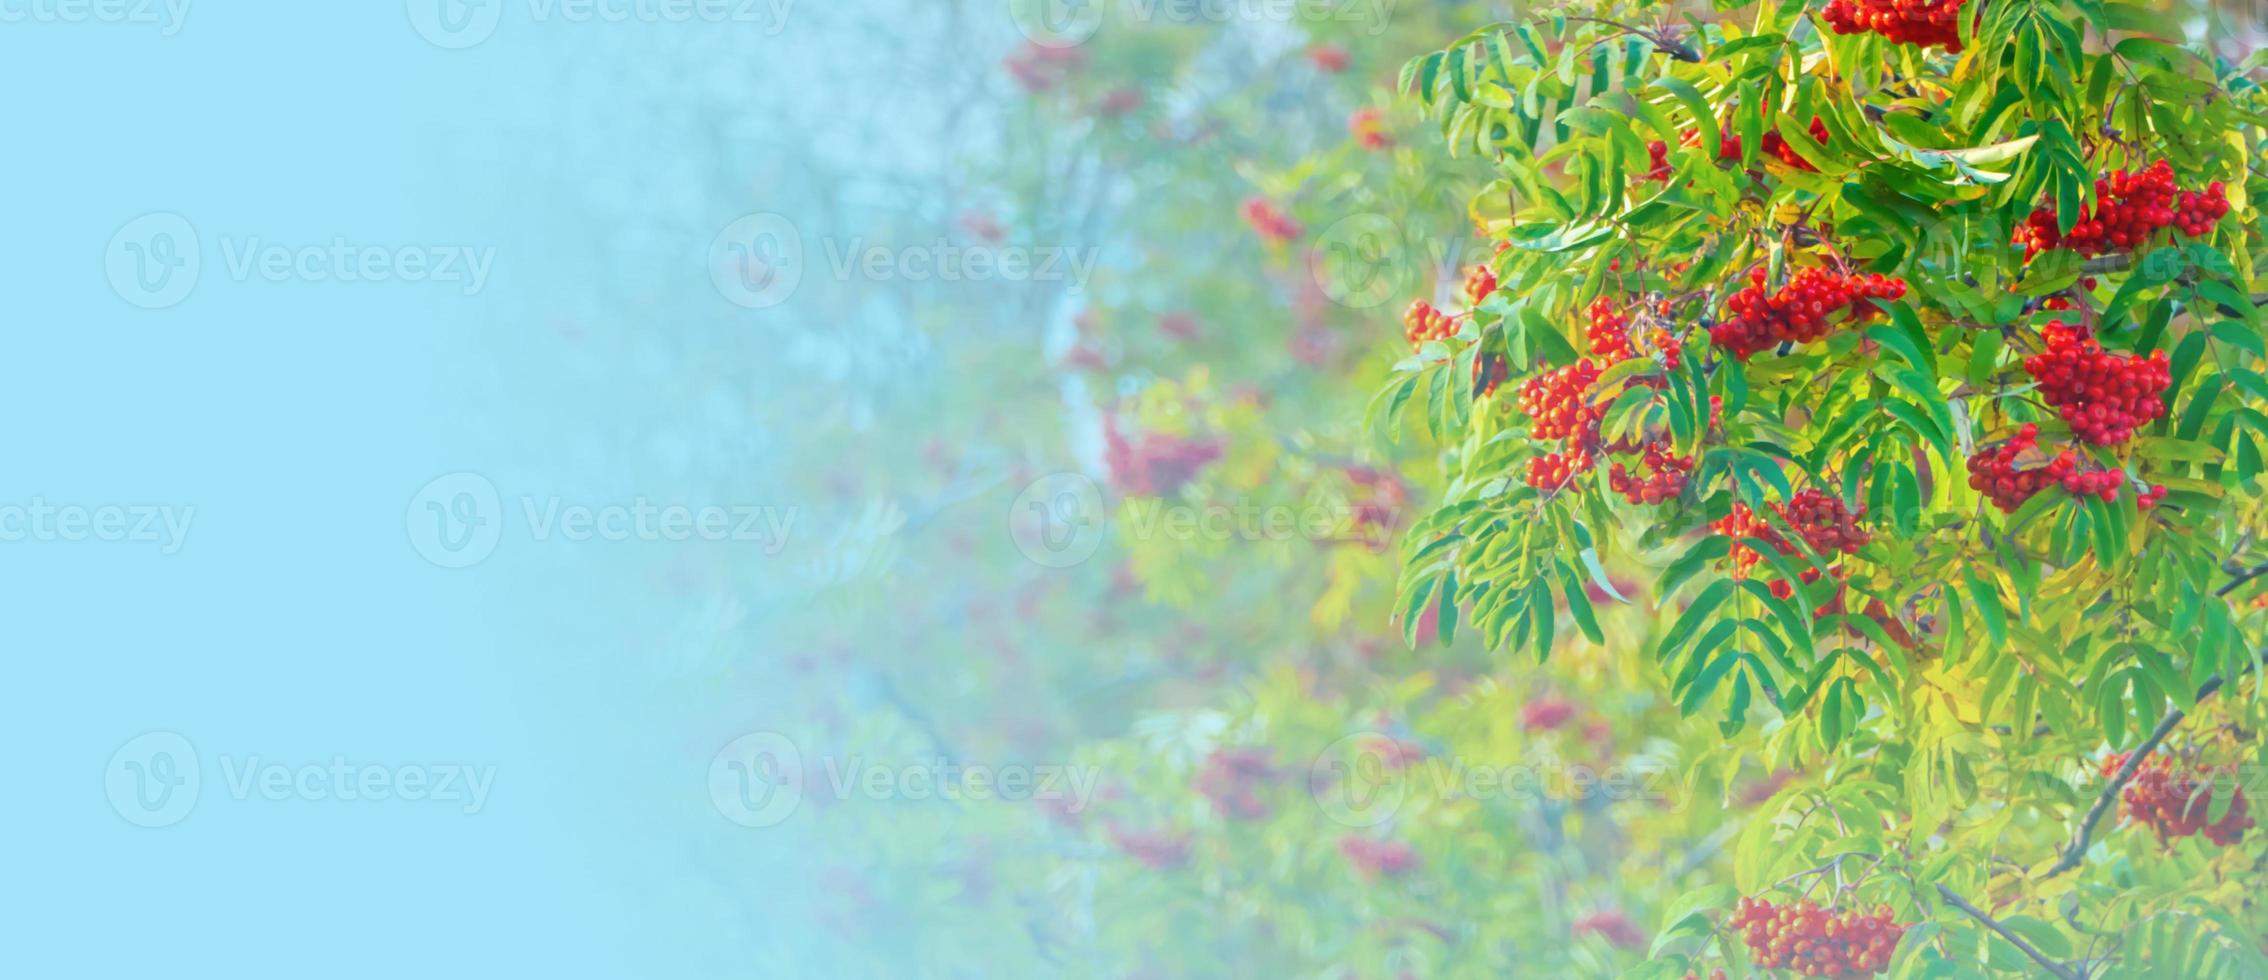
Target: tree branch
(2243, 575)
(2054, 968)
(2085, 838)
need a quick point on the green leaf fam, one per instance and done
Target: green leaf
(1989, 608)
(1698, 108)
(1413, 607)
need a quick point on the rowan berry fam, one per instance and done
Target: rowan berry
(1378, 858)
(1657, 162)
(1817, 942)
(1824, 523)
(1480, 281)
(1155, 463)
(2130, 206)
(1272, 224)
(1919, 22)
(2175, 800)
(1813, 303)
(1772, 144)
(1610, 339)
(1558, 401)
(1232, 779)
(1660, 475)
(2104, 396)
(1423, 322)
(1369, 128)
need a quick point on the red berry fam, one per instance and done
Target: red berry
(1801, 311)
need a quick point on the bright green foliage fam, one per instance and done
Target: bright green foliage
(1955, 681)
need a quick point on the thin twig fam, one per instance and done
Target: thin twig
(2053, 967)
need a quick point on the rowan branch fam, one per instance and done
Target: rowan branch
(2077, 851)
(2085, 838)
(2243, 575)
(2054, 968)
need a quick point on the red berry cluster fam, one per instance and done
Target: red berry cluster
(1422, 322)
(2130, 206)
(1378, 858)
(1179, 325)
(1393, 753)
(1744, 522)
(1551, 471)
(1806, 309)
(1369, 128)
(1480, 281)
(2175, 801)
(1609, 335)
(1272, 224)
(1817, 942)
(983, 225)
(1609, 332)
(1559, 402)
(1329, 57)
(1566, 405)
(1233, 777)
(1774, 145)
(1819, 518)
(1155, 464)
(1545, 713)
(1037, 67)
(1660, 475)
(1993, 471)
(1657, 162)
(1824, 523)
(2104, 396)
(1922, 22)
(1610, 924)
(1120, 101)
(1154, 848)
